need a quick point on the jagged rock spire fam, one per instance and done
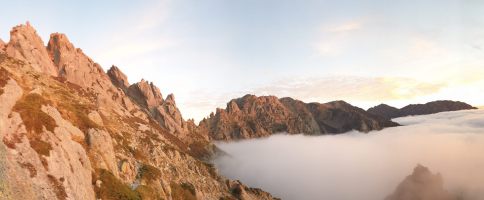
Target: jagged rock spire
(26, 45)
(73, 64)
(146, 94)
(118, 78)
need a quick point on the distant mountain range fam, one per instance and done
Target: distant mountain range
(389, 112)
(252, 117)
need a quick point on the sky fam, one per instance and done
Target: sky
(208, 52)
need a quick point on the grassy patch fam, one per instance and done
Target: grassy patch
(113, 189)
(182, 191)
(4, 76)
(148, 193)
(29, 108)
(41, 147)
(149, 173)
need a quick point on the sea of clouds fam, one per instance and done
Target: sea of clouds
(363, 166)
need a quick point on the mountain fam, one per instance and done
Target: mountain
(69, 130)
(252, 117)
(421, 184)
(389, 112)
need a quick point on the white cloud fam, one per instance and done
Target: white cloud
(363, 166)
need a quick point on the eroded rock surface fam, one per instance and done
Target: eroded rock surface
(81, 134)
(252, 117)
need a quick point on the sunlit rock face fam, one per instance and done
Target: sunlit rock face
(254, 117)
(68, 130)
(27, 46)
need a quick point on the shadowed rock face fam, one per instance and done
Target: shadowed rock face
(389, 112)
(421, 184)
(253, 117)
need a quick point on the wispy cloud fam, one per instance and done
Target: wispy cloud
(350, 88)
(335, 39)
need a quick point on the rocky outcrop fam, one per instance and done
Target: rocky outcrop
(252, 117)
(80, 135)
(27, 46)
(146, 94)
(73, 64)
(118, 78)
(421, 184)
(389, 112)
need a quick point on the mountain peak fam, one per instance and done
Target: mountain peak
(118, 77)
(26, 45)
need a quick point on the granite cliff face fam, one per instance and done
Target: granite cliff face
(389, 112)
(253, 117)
(421, 184)
(69, 130)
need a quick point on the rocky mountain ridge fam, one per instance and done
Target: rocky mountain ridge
(389, 112)
(252, 117)
(71, 131)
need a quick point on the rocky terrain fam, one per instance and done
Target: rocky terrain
(421, 184)
(71, 131)
(389, 112)
(252, 117)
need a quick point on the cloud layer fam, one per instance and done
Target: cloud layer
(363, 166)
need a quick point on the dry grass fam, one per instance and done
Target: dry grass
(149, 173)
(113, 189)
(29, 108)
(148, 193)
(184, 191)
(41, 147)
(59, 189)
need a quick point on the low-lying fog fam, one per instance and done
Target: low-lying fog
(363, 166)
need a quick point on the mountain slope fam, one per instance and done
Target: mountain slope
(71, 131)
(389, 112)
(252, 117)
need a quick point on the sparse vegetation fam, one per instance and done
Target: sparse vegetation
(29, 108)
(149, 173)
(148, 193)
(59, 189)
(113, 189)
(184, 191)
(30, 167)
(41, 147)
